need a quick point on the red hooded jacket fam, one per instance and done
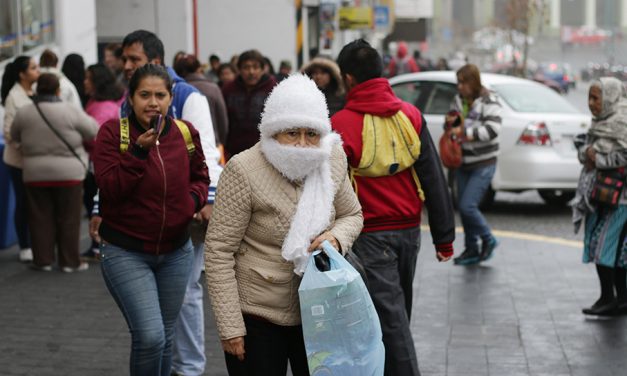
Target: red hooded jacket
(392, 202)
(148, 198)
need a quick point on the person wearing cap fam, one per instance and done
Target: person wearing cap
(276, 202)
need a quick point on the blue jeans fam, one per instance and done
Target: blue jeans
(21, 208)
(389, 258)
(189, 331)
(471, 186)
(149, 290)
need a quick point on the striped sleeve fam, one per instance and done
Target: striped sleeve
(490, 121)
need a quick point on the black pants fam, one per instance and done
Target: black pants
(389, 258)
(21, 210)
(268, 348)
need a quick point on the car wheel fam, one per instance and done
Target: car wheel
(556, 197)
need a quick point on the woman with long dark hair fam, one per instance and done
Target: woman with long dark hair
(17, 83)
(74, 69)
(104, 93)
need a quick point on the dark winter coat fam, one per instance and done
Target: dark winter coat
(244, 108)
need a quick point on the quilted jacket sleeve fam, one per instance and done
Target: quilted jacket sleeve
(229, 221)
(348, 216)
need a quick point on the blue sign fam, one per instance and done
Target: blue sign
(381, 17)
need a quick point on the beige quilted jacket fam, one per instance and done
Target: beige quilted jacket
(251, 217)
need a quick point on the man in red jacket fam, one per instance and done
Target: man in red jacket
(394, 167)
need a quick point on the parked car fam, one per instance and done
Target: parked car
(536, 139)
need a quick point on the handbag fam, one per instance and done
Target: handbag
(67, 144)
(450, 150)
(608, 187)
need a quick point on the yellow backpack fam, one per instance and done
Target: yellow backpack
(125, 136)
(390, 145)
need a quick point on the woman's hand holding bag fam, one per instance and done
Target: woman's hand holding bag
(450, 143)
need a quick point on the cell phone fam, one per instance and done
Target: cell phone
(156, 122)
(458, 118)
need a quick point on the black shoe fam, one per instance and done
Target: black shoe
(601, 308)
(468, 257)
(487, 248)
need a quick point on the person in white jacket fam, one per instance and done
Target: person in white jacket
(17, 88)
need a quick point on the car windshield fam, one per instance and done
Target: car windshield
(532, 98)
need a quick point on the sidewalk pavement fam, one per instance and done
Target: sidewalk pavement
(517, 314)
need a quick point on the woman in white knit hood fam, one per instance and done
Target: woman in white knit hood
(276, 202)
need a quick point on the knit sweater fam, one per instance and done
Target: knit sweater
(482, 125)
(251, 217)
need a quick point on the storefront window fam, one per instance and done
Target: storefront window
(37, 24)
(24, 25)
(8, 30)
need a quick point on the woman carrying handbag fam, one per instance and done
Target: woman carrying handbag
(51, 135)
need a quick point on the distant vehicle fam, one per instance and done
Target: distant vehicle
(588, 35)
(536, 140)
(596, 70)
(560, 73)
(509, 70)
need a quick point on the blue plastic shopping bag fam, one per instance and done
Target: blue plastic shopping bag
(340, 325)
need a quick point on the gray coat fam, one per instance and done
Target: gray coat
(45, 157)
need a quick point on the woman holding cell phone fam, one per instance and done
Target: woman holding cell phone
(152, 177)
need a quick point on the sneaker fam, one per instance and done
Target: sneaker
(26, 255)
(41, 268)
(80, 268)
(468, 257)
(487, 248)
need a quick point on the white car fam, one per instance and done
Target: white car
(536, 138)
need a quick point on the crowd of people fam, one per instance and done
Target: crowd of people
(242, 172)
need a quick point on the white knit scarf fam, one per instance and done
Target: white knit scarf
(313, 213)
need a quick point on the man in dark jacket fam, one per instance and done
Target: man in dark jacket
(393, 175)
(244, 99)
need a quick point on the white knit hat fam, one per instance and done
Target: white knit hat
(295, 102)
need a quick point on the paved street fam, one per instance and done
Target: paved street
(519, 314)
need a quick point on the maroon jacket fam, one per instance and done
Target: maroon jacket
(244, 108)
(148, 198)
